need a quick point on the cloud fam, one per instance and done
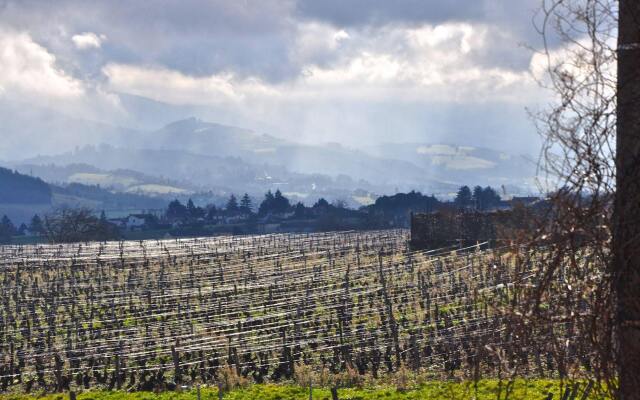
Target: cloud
(251, 37)
(88, 40)
(174, 87)
(28, 69)
(30, 74)
(378, 12)
(255, 37)
(169, 85)
(323, 70)
(317, 43)
(426, 63)
(575, 59)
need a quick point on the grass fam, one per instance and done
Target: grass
(486, 389)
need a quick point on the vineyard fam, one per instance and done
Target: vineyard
(154, 315)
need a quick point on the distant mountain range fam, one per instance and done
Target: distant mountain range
(192, 157)
(204, 155)
(168, 172)
(198, 137)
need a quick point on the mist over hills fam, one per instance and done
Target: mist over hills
(458, 164)
(193, 156)
(28, 130)
(167, 172)
(22, 196)
(121, 180)
(197, 137)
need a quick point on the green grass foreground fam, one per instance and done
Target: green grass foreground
(486, 389)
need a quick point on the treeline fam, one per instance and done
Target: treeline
(65, 225)
(394, 211)
(240, 214)
(481, 199)
(272, 205)
(386, 211)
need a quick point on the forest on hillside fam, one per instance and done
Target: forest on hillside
(23, 188)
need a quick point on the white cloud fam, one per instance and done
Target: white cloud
(27, 68)
(88, 40)
(341, 35)
(576, 59)
(316, 42)
(428, 63)
(174, 87)
(459, 38)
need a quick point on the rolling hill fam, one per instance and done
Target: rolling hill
(191, 155)
(197, 137)
(22, 196)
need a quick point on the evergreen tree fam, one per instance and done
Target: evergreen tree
(280, 203)
(245, 203)
(268, 196)
(194, 211)
(300, 210)
(36, 225)
(176, 210)
(478, 198)
(191, 208)
(5, 235)
(22, 230)
(8, 226)
(274, 203)
(321, 203)
(401, 204)
(211, 211)
(232, 204)
(483, 199)
(266, 206)
(464, 197)
(490, 198)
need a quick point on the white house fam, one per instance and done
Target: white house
(134, 221)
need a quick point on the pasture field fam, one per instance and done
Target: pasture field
(241, 313)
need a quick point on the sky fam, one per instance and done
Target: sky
(345, 71)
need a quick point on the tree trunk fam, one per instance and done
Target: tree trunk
(626, 235)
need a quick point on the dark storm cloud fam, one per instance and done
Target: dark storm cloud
(248, 37)
(367, 12)
(376, 12)
(197, 37)
(154, 17)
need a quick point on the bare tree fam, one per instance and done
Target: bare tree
(67, 225)
(570, 308)
(585, 302)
